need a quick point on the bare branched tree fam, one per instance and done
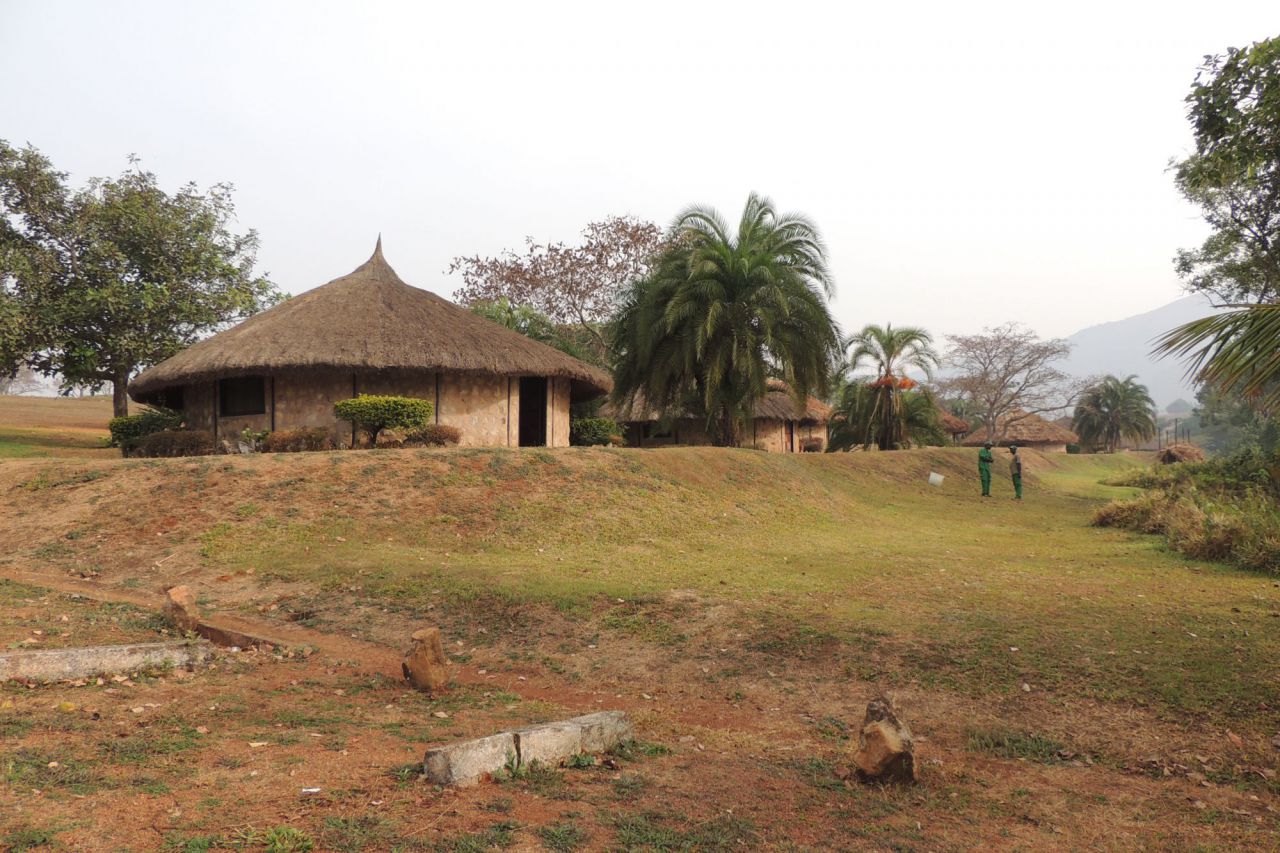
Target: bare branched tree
(1007, 373)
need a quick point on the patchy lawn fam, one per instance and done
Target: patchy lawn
(1068, 686)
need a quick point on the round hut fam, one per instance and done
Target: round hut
(371, 333)
(1026, 430)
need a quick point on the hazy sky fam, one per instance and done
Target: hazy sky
(968, 163)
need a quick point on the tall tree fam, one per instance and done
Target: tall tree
(1008, 373)
(723, 311)
(98, 282)
(856, 418)
(1113, 410)
(578, 284)
(1233, 175)
(891, 352)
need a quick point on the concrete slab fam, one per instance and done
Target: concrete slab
(48, 665)
(464, 763)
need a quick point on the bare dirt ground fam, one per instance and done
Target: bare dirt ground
(747, 714)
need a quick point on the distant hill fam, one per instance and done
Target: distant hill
(1123, 347)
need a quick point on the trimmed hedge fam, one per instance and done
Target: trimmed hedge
(589, 432)
(297, 440)
(177, 442)
(127, 431)
(371, 414)
(433, 435)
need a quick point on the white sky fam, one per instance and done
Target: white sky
(968, 163)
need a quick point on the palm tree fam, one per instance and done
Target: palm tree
(1115, 409)
(724, 311)
(1233, 350)
(856, 420)
(891, 352)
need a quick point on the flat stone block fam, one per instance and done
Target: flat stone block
(604, 730)
(72, 664)
(464, 763)
(550, 743)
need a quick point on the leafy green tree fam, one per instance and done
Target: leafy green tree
(1233, 175)
(856, 418)
(891, 352)
(1113, 410)
(532, 323)
(723, 311)
(98, 282)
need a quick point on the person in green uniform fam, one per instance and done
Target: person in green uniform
(984, 468)
(1015, 469)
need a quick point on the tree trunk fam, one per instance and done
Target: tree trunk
(120, 394)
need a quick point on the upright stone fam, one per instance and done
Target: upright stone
(181, 609)
(886, 752)
(425, 666)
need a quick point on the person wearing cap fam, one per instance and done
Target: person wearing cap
(984, 468)
(1015, 470)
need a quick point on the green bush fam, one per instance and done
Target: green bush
(433, 435)
(127, 431)
(177, 442)
(297, 440)
(1073, 448)
(372, 414)
(589, 432)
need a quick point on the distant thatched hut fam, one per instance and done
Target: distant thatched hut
(776, 425)
(954, 426)
(1026, 431)
(370, 333)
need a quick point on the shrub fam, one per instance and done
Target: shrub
(811, 445)
(589, 432)
(297, 440)
(372, 414)
(433, 435)
(177, 442)
(127, 431)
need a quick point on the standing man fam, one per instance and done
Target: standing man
(984, 468)
(1015, 470)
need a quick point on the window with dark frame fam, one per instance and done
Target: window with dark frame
(242, 395)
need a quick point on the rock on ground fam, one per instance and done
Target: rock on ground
(425, 666)
(886, 751)
(181, 609)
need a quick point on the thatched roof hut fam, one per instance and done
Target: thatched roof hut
(369, 320)
(1026, 430)
(777, 423)
(956, 427)
(370, 332)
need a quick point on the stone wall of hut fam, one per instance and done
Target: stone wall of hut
(485, 408)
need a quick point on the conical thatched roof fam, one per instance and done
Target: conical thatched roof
(365, 321)
(777, 403)
(1026, 429)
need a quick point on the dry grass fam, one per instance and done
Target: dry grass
(743, 606)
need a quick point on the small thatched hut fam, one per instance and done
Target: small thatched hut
(776, 425)
(955, 426)
(370, 333)
(1026, 430)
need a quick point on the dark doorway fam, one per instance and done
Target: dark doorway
(533, 411)
(791, 437)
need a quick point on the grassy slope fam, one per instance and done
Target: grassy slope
(934, 584)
